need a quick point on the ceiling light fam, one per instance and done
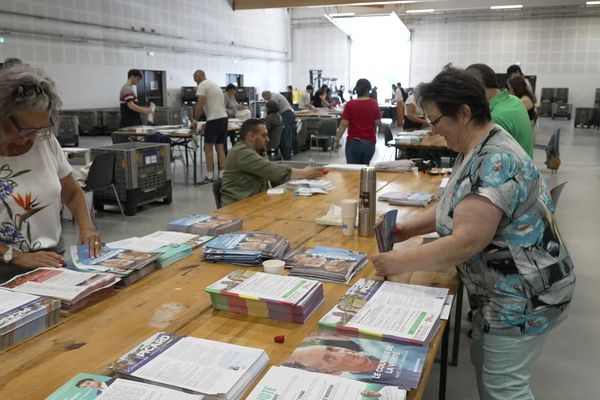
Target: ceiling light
(1, 40)
(592, 3)
(150, 53)
(341, 15)
(374, 3)
(423, 10)
(509, 7)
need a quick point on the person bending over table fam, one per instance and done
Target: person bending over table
(247, 172)
(361, 117)
(496, 222)
(35, 177)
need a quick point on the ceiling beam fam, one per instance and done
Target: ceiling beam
(260, 4)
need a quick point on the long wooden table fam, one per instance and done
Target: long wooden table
(173, 299)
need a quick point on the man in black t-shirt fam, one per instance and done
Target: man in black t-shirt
(130, 110)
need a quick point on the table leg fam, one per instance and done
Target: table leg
(457, 323)
(443, 364)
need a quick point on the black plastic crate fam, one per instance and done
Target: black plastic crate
(561, 95)
(586, 117)
(162, 116)
(68, 130)
(111, 120)
(547, 95)
(89, 123)
(561, 110)
(545, 109)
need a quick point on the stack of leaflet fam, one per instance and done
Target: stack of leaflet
(394, 166)
(23, 315)
(384, 231)
(307, 187)
(101, 387)
(245, 248)
(129, 265)
(279, 297)
(219, 371)
(388, 310)
(171, 246)
(75, 289)
(380, 362)
(325, 263)
(414, 199)
(205, 225)
(283, 383)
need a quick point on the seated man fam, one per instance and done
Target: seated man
(247, 172)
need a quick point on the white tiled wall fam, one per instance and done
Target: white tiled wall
(561, 52)
(90, 73)
(322, 47)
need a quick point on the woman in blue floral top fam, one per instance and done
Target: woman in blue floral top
(496, 222)
(35, 177)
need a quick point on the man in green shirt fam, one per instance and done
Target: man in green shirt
(247, 172)
(507, 110)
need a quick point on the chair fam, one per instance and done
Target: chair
(327, 132)
(102, 176)
(552, 150)
(116, 139)
(216, 188)
(274, 141)
(388, 136)
(556, 191)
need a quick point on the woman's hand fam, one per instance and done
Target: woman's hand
(38, 259)
(387, 263)
(92, 239)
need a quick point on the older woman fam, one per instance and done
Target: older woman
(496, 222)
(361, 117)
(35, 177)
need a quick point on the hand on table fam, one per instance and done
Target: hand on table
(38, 259)
(93, 240)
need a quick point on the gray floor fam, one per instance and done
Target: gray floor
(569, 367)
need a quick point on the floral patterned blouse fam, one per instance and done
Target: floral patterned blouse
(523, 281)
(30, 194)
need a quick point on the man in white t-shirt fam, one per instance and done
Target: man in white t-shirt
(211, 102)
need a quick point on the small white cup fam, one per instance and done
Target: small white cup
(274, 267)
(349, 209)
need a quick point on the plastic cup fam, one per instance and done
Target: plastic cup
(349, 207)
(274, 267)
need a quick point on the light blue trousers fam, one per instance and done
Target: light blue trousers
(503, 364)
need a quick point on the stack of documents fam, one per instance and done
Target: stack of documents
(414, 199)
(246, 248)
(101, 387)
(283, 383)
(259, 294)
(384, 231)
(219, 371)
(23, 315)
(205, 225)
(394, 166)
(380, 362)
(307, 187)
(75, 289)
(325, 263)
(129, 265)
(388, 310)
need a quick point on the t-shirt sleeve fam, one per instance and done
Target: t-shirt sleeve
(63, 166)
(497, 177)
(201, 91)
(347, 114)
(377, 110)
(127, 94)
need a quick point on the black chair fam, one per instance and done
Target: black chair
(556, 191)
(274, 141)
(388, 136)
(116, 139)
(216, 188)
(102, 176)
(552, 150)
(327, 132)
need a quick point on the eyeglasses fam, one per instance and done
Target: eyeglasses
(28, 131)
(436, 121)
(28, 91)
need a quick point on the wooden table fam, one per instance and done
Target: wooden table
(431, 146)
(173, 300)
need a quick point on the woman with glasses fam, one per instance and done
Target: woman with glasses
(361, 117)
(35, 177)
(496, 224)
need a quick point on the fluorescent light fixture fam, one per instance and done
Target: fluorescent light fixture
(592, 3)
(1, 40)
(420, 11)
(508, 7)
(374, 3)
(150, 53)
(341, 15)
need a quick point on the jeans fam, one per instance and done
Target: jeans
(359, 151)
(289, 119)
(503, 364)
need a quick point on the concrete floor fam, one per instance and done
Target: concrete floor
(569, 367)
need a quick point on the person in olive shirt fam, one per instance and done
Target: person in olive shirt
(247, 172)
(507, 110)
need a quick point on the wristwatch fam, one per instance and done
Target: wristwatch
(8, 255)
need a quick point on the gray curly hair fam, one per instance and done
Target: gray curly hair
(25, 88)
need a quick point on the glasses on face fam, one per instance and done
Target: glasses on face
(28, 131)
(28, 91)
(436, 121)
